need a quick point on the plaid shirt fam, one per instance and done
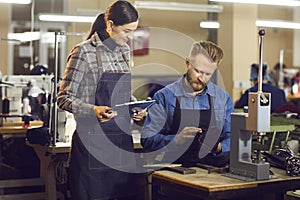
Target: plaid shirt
(79, 83)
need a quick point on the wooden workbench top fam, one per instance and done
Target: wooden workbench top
(60, 147)
(212, 182)
(293, 96)
(32, 123)
(18, 127)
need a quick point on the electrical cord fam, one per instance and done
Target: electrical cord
(61, 172)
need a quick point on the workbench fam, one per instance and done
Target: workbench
(295, 98)
(15, 129)
(36, 185)
(18, 127)
(49, 157)
(204, 185)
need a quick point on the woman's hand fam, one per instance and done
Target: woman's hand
(138, 114)
(103, 113)
(187, 133)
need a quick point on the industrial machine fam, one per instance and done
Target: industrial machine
(14, 88)
(243, 126)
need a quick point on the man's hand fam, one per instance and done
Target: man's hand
(103, 113)
(187, 133)
(219, 148)
(138, 114)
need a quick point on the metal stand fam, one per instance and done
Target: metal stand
(53, 120)
(243, 125)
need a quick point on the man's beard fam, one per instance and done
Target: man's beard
(196, 86)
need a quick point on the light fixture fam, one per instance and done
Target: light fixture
(66, 18)
(15, 41)
(16, 1)
(24, 37)
(292, 3)
(174, 6)
(277, 24)
(209, 24)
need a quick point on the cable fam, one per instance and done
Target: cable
(61, 172)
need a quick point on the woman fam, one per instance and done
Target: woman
(97, 77)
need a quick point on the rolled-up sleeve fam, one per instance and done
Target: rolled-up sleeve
(156, 124)
(71, 97)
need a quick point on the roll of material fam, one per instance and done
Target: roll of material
(5, 106)
(25, 105)
(294, 145)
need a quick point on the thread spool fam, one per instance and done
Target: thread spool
(25, 105)
(5, 106)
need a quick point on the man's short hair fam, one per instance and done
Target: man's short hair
(254, 72)
(209, 49)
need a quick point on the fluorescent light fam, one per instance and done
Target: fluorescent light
(277, 24)
(66, 18)
(174, 6)
(24, 37)
(11, 40)
(209, 24)
(16, 1)
(264, 2)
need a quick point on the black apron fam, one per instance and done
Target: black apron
(98, 169)
(202, 146)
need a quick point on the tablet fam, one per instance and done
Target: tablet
(130, 105)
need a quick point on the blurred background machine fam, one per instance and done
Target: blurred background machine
(17, 87)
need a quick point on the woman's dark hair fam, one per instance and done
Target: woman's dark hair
(98, 25)
(121, 12)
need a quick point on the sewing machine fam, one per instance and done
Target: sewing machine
(243, 126)
(13, 86)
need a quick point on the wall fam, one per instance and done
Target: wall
(239, 38)
(277, 39)
(4, 19)
(171, 33)
(296, 42)
(72, 8)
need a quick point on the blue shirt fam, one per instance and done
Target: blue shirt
(160, 116)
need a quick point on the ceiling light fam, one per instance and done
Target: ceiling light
(277, 24)
(264, 2)
(174, 6)
(209, 24)
(24, 37)
(15, 41)
(16, 1)
(66, 18)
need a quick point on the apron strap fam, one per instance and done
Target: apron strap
(125, 59)
(98, 55)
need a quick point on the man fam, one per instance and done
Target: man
(277, 95)
(190, 122)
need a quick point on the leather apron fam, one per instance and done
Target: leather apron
(204, 119)
(97, 179)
